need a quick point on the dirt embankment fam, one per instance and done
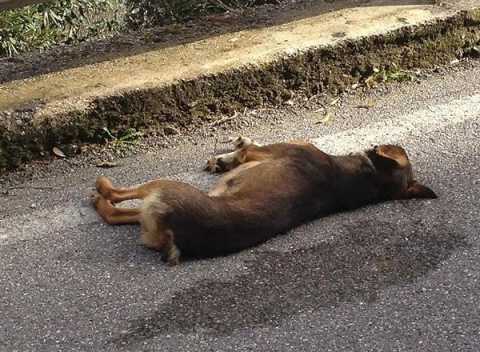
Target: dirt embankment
(190, 103)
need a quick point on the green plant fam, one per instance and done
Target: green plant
(390, 74)
(124, 140)
(43, 25)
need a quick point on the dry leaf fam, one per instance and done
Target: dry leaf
(335, 101)
(326, 119)
(58, 152)
(370, 82)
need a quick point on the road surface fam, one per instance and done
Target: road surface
(401, 276)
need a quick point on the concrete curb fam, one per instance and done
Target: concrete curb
(186, 103)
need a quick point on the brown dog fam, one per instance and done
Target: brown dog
(266, 191)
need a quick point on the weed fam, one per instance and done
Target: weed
(124, 141)
(390, 74)
(44, 25)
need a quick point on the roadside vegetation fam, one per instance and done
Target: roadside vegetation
(44, 25)
(63, 21)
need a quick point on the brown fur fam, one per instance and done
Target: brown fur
(267, 190)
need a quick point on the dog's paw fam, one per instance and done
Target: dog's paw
(98, 201)
(104, 186)
(95, 200)
(215, 165)
(241, 142)
(222, 163)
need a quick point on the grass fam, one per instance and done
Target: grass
(42, 26)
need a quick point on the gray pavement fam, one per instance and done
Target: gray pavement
(401, 276)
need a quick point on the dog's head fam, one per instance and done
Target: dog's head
(395, 173)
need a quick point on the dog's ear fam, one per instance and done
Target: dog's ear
(419, 191)
(388, 157)
(393, 153)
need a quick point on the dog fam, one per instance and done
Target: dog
(265, 191)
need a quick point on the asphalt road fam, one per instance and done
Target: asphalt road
(401, 276)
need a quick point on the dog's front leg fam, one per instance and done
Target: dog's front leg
(228, 161)
(224, 162)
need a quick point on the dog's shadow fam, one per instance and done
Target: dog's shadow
(356, 266)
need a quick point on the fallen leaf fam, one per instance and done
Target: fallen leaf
(335, 101)
(326, 119)
(58, 152)
(370, 82)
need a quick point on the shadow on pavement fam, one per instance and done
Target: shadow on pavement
(361, 262)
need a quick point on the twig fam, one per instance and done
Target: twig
(223, 120)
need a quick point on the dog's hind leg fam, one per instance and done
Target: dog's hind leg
(119, 194)
(113, 215)
(153, 236)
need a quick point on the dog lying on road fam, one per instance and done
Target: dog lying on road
(266, 190)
